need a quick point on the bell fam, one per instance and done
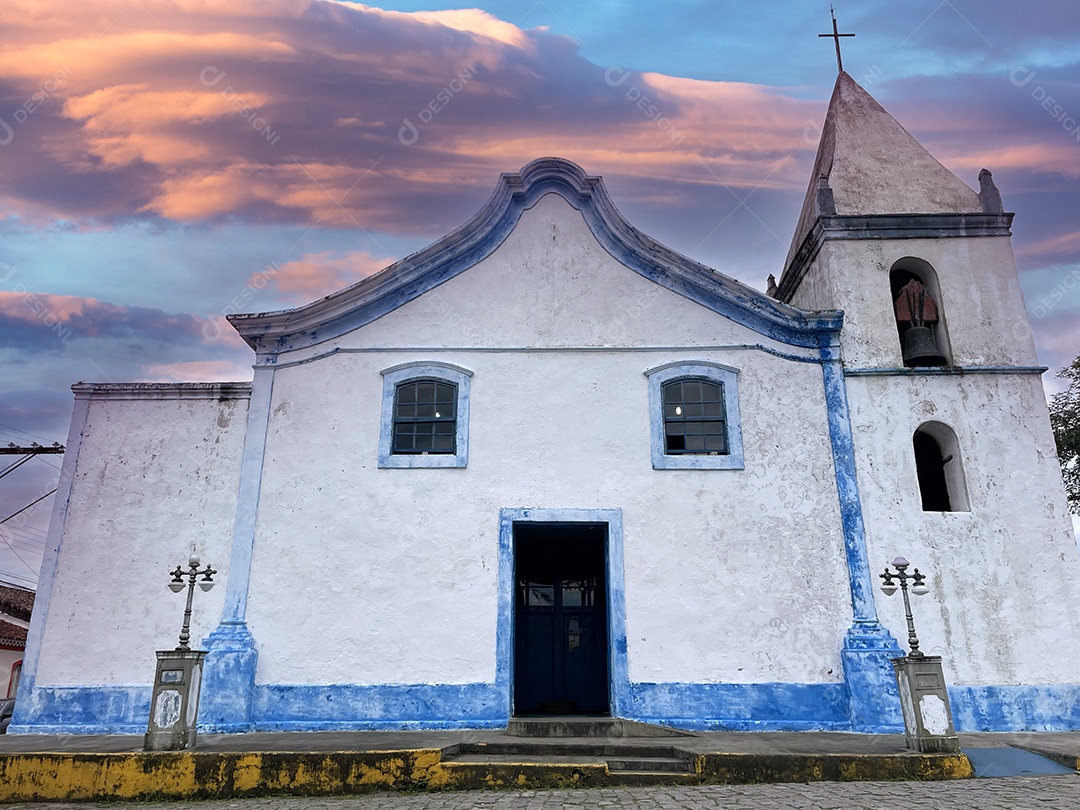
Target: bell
(920, 349)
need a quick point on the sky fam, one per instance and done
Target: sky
(166, 163)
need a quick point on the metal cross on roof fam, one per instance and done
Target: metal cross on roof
(836, 38)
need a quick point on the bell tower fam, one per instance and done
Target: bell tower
(882, 212)
(953, 454)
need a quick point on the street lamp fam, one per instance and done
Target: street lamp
(176, 584)
(918, 587)
(174, 702)
(924, 698)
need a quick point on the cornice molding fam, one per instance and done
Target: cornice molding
(144, 391)
(886, 226)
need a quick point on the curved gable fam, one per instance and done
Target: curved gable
(405, 280)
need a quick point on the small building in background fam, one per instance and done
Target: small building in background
(16, 606)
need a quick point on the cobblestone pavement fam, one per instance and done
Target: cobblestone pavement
(1017, 793)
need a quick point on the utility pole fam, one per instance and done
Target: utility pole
(34, 449)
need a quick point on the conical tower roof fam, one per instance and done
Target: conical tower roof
(875, 166)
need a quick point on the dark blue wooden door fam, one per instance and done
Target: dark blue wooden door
(561, 644)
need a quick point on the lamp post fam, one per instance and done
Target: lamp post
(918, 587)
(174, 703)
(176, 584)
(928, 723)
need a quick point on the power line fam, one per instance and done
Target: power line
(5, 573)
(49, 463)
(43, 497)
(15, 466)
(24, 432)
(18, 556)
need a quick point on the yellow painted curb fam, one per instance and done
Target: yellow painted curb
(215, 775)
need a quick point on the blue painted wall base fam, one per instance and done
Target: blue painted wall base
(228, 686)
(873, 699)
(734, 707)
(742, 706)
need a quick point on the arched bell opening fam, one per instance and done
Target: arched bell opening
(939, 468)
(920, 322)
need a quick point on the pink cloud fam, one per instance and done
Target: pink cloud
(318, 274)
(342, 114)
(1054, 245)
(33, 308)
(200, 370)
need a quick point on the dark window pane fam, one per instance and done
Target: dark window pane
(693, 417)
(424, 410)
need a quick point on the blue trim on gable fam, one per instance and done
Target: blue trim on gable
(461, 377)
(728, 380)
(618, 668)
(275, 332)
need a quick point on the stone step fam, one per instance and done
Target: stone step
(564, 747)
(578, 726)
(649, 765)
(487, 771)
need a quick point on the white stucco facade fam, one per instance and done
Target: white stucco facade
(367, 587)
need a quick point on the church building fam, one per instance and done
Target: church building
(548, 465)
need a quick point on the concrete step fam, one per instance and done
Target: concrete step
(578, 726)
(537, 750)
(486, 771)
(649, 765)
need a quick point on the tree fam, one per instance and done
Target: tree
(1065, 419)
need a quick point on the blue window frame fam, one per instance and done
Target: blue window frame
(694, 416)
(425, 416)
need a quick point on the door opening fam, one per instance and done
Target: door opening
(560, 619)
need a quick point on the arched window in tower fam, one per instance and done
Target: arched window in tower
(939, 469)
(916, 306)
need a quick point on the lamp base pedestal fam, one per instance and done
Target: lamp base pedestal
(174, 703)
(928, 722)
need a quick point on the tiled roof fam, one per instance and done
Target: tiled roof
(12, 635)
(17, 602)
